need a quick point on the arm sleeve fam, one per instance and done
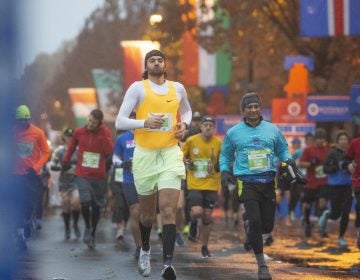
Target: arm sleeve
(133, 97)
(45, 152)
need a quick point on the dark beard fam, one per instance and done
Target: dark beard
(156, 72)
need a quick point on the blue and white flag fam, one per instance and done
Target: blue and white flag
(323, 18)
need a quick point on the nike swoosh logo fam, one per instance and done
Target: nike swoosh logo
(169, 100)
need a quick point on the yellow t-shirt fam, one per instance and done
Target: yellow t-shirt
(153, 103)
(201, 153)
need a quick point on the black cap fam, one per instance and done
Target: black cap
(69, 132)
(248, 98)
(207, 119)
(196, 116)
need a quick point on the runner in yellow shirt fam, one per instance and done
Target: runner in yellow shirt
(201, 152)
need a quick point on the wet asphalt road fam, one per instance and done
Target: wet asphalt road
(49, 257)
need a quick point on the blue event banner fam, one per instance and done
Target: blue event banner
(328, 108)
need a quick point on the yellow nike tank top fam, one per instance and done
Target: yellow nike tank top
(153, 103)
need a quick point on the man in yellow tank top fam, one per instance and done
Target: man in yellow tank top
(202, 152)
(162, 115)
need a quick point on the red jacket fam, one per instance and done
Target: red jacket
(93, 148)
(354, 154)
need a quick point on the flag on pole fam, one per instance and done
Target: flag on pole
(109, 92)
(323, 18)
(200, 66)
(133, 59)
(83, 102)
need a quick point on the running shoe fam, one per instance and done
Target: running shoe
(87, 236)
(77, 231)
(323, 219)
(205, 252)
(307, 230)
(342, 243)
(193, 231)
(179, 240)
(168, 272)
(263, 273)
(358, 240)
(144, 266)
(186, 230)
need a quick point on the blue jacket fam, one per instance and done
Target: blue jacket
(254, 150)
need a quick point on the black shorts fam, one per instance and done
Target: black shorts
(66, 182)
(311, 195)
(204, 199)
(130, 194)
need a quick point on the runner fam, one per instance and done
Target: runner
(158, 161)
(95, 147)
(252, 146)
(339, 181)
(316, 190)
(201, 153)
(69, 193)
(32, 154)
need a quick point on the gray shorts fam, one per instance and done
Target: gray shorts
(91, 190)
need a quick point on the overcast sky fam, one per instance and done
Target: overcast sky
(45, 24)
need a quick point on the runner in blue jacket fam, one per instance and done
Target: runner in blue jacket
(254, 146)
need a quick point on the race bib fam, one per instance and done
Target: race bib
(167, 123)
(201, 168)
(319, 172)
(24, 149)
(119, 175)
(91, 160)
(258, 159)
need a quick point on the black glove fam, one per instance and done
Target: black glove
(226, 179)
(65, 166)
(127, 165)
(189, 165)
(290, 173)
(314, 161)
(343, 164)
(217, 167)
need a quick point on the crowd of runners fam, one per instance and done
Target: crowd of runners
(166, 169)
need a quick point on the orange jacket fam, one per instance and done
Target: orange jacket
(32, 150)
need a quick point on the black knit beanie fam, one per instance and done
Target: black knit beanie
(249, 98)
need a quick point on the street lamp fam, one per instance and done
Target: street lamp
(155, 18)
